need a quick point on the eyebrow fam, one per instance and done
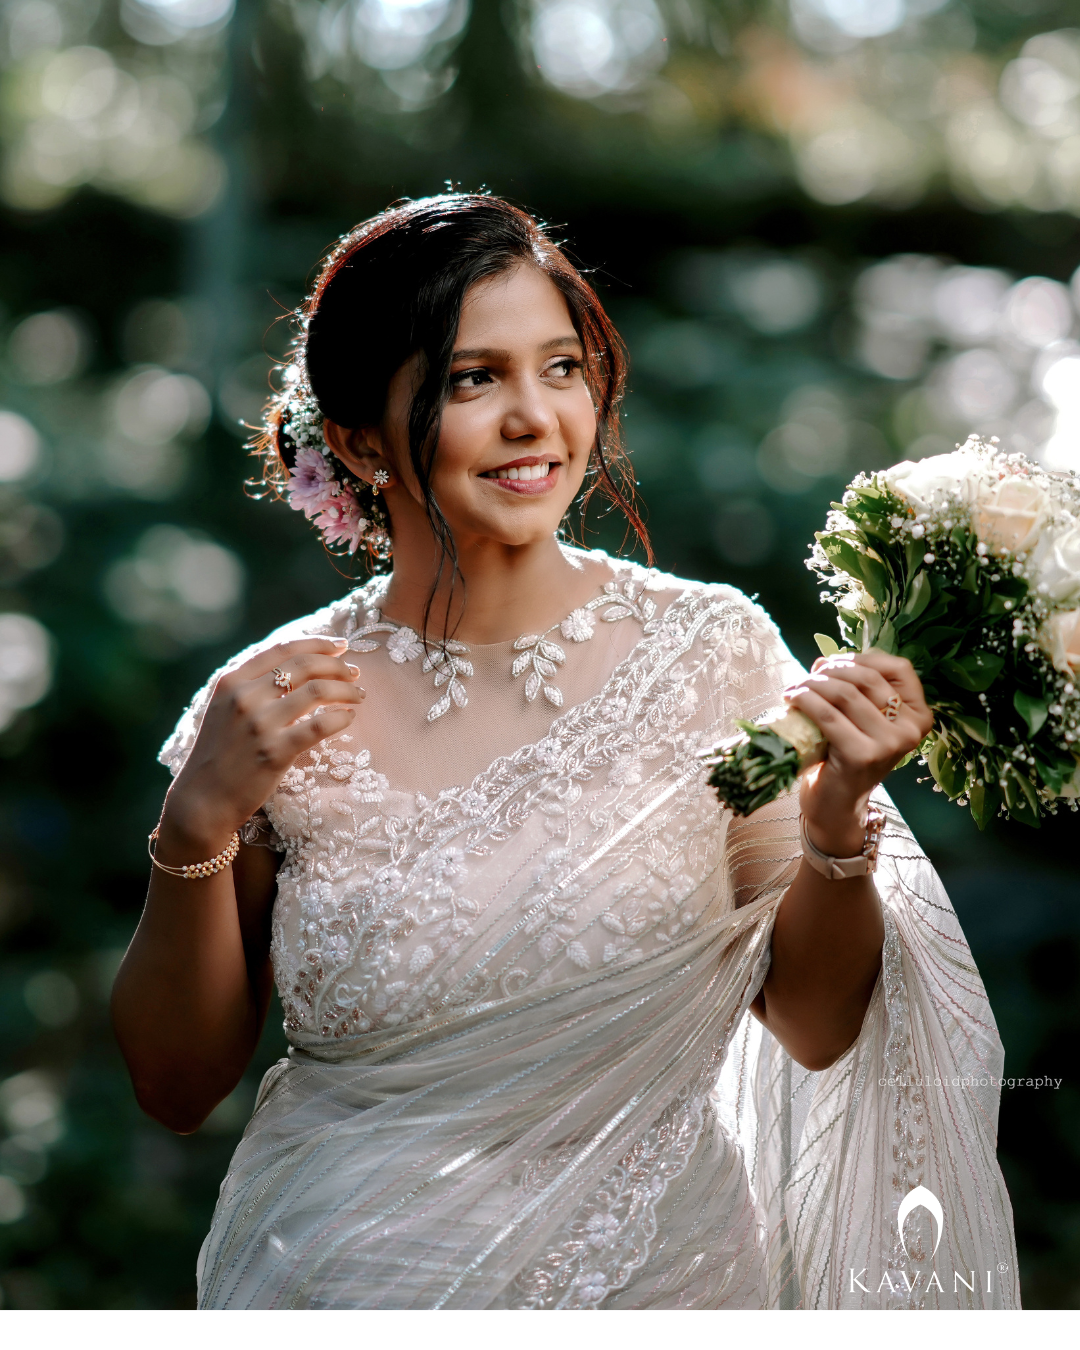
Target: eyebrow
(498, 354)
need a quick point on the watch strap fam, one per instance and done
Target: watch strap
(839, 869)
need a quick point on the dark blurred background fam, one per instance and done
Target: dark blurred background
(835, 233)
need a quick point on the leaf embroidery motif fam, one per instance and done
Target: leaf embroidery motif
(544, 655)
(537, 653)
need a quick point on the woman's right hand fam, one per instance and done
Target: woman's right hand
(250, 735)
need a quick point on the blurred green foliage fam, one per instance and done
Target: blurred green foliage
(147, 564)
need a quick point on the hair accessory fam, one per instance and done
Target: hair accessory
(196, 871)
(281, 679)
(319, 484)
(381, 478)
(838, 869)
(891, 710)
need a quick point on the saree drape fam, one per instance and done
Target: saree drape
(522, 1070)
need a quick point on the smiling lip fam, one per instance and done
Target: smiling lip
(525, 487)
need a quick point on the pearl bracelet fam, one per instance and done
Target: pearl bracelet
(197, 871)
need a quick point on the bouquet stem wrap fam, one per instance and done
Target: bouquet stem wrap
(753, 768)
(967, 565)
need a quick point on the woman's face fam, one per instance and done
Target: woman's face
(519, 425)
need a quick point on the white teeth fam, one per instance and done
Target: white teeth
(523, 473)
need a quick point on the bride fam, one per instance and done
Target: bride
(563, 1033)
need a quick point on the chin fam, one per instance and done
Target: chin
(524, 524)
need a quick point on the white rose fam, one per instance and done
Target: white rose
(1060, 639)
(1010, 515)
(959, 476)
(1055, 561)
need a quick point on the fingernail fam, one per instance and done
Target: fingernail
(362, 692)
(355, 669)
(340, 642)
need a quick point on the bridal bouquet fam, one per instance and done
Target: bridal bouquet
(968, 564)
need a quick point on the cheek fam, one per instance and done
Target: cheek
(579, 423)
(464, 435)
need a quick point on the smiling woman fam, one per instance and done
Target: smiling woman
(563, 1033)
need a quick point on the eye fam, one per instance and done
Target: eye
(470, 379)
(563, 367)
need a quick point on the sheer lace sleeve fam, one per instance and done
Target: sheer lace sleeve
(330, 621)
(257, 831)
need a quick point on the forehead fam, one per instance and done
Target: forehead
(518, 307)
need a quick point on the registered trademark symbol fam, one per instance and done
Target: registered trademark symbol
(1003, 1266)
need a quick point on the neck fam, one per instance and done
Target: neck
(503, 590)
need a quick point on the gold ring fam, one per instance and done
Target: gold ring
(281, 679)
(891, 710)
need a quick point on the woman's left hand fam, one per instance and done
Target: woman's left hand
(846, 696)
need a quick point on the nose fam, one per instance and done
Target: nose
(529, 413)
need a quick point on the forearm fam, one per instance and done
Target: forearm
(188, 1001)
(826, 954)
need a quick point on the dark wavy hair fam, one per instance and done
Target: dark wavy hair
(393, 287)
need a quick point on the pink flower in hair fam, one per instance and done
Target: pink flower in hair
(341, 522)
(312, 485)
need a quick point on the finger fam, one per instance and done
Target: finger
(326, 722)
(850, 741)
(315, 694)
(314, 666)
(261, 662)
(871, 681)
(881, 742)
(850, 700)
(899, 672)
(903, 677)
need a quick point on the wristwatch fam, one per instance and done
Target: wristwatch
(838, 869)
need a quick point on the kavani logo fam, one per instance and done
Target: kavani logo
(929, 1201)
(902, 1281)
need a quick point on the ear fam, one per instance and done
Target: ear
(360, 450)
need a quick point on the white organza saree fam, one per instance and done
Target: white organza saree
(522, 1070)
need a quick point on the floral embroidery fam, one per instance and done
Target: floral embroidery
(578, 626)
(537, 653)
(610, 1235)
(403, 646)
(545, 656)
(376, 894)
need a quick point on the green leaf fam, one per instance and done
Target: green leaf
(976, 671)
(827, 646)
(985, 802)
(1033, 710)
(975, 727)
(949, 773)
(886, 638)
(939, 636)
(917, 654)
(875, 578)
(919, 593)
(1020, 798)
(1050, 774)
(843, 556)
